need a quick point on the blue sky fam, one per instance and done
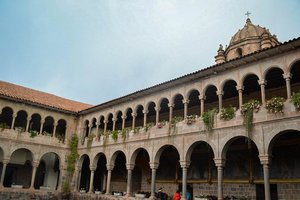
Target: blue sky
(94, 51)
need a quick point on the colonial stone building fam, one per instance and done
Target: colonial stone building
(195, 133)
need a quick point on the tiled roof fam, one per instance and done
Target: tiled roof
(37, 97)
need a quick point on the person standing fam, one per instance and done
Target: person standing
(177, 195)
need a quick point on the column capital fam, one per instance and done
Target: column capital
(157, 108)
(114, 119)
(262, 82)
(15, 115)
(42, 121)
(5, 160)
(110, 167)
(35, 163)
(105, 121)
(219, 162)
(130, 166)
(187, 101)
(220, 92)
(124, 117)
(171, 105)
(184, 163)
(240, 87)
(93, 167)
(145, 111)
(202, 97)
(153, 165)
(133, 114)
(265, 159)
(287, 76)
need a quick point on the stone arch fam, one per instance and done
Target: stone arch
(118, 116)
(35, 122)
(211, 98)
(161, 148)
(151, 115)
(139, 115)
(21, 120)
(86, 128)
(192, 146)
(177, 101)
(276, 85)
(114, 156)
(119, 172)
(109, 119)
(164, 109)
(133, 156)
(188, 93)
(93, 126)
(294, 70)
(251, 88)
(101, 124)
(230, 93)
(267, 70)
(6, 117)
(61, 129)
(85, 172)
(99, 162)
(48, 125)
(128, 114)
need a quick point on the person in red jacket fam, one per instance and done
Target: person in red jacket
(177, 195)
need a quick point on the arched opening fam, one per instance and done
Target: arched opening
(110, 122)
(119, 121)
(19, 169)
(151, 115)
(211, 99)
(35, 123)
(139, 119)
(178, 110)
(164, 110)
(128, 121)
(169, 170)
(194, 103)
(101, 125)
(285, 163)
(242, 165)
(94, 126)
(61, 130)
(100, 174)
(231, 95)
(86, 129)
(6, 117)
(239, 52)
(295, 77)
(275, 84)
(47, 174)
(119, 173)
(251, 88)
(48, 126)
(21, 121)
(1, 161)
(202, 171)
(141, 174)
(85, 174)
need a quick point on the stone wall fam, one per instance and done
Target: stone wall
(288, 191)
(27, 195)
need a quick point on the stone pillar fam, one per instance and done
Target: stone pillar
(54, 129)
(220, 164)
(184, 165)
(109, 170)
(13, 121)
(220, 95)
(27, 124)
(157, 109)
(123, 121)
(240, 90)
(97, 128)
(287, 78)
(186, 104)
(201, 98)
(92, 168)
(133, 120)
(105, 126)
(42, 124)
(171, 106)
(129, 179)
(145, 112)
(153, 167)
(77, 178)
(114, 124)
(5, 162)
(262, 84)
(60, 178)
(35, 164)
(90, 128)
(265, 160)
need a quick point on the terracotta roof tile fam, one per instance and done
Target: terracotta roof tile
(34, 96)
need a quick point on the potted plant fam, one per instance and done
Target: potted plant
(227, 113)
(275, 105)
(175, 120)
(247, 111)
(161, 124)
(191, 119)
(114, 135)
(296, 99)
(33, 133)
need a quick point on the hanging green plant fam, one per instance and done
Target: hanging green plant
(275, 105)
(33, 133)
(247, 111)
(227, 113)
(114, 135)
(208, 118)
(175, 120)
(72, 157)
(124, 133)
(148, 126)
(296, 99)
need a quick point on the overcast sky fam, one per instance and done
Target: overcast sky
(97, 50)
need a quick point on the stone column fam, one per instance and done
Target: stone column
(133, 120)
(27, 124)
(13, 121)
(129, 179)
(97, 127)
(5, 162)
(54, 129)
(109, 170)
(201, 98)
(105, 126)
(287, 78)
(60, 178)
(265, 160)
(185, 103)
(240, 90)
(114, 124)
(42, 124)
(153, 166)
(77, 178)
(123, 121)
(262, 84)
(92, 168)
(145, 112)
(90, 128)
(157, 109)
(184, 165)
(35, 164)
(171, 106)
(220, 164)
(220, 95)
